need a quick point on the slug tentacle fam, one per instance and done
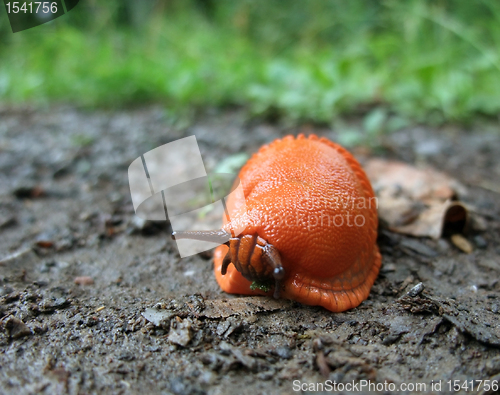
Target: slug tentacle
(273, 259)
(225, 263)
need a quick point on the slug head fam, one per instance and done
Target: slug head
(251, 255)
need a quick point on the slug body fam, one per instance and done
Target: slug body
(310, 226)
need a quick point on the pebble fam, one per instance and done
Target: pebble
(158, 317)
(462, 243)
(180, 332)
(222, 327)
(16, 328)
(83, 280)
(417, 289)
(49, 305)
(391, 339)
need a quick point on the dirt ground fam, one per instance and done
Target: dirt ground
(147, 321)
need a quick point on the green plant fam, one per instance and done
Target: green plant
(311, 60)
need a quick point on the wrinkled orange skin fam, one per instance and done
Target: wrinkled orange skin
(292, 188)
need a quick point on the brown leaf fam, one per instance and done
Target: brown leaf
(415, 201)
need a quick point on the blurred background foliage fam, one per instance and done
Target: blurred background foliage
(425, 60)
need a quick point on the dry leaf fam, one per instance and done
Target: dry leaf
(418, 202)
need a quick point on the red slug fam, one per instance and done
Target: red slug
(310, 227)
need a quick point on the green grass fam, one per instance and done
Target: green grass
(309, 60)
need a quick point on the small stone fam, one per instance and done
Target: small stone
(180, 332)
(46, 239)
(83, 280)
(45, 243)
(462, 243)
(391, 339)
(222, 327)
(158, 317)
(49, 305)
(16, 328)
(416, 290)
(228, 326)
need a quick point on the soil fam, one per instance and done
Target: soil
(94, 300)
